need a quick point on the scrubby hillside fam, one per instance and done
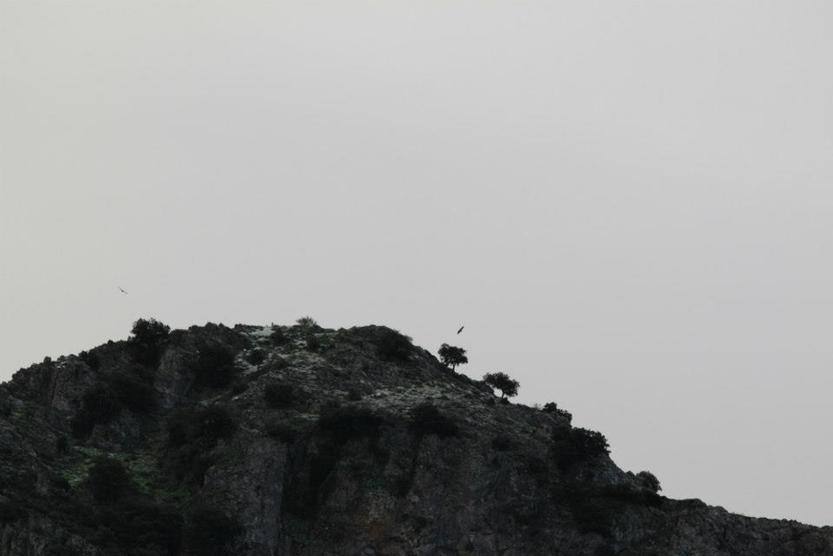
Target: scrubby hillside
(302, 440)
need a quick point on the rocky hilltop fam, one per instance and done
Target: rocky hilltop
(303, 440)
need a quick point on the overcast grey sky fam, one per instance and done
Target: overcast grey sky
(628, 204)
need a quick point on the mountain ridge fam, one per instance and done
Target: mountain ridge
(304, 440)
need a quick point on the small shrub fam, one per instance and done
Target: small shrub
(255, 357)
(394, 346)
(571, 446)
(209, 532)
(214, 366)
(108, 480)
(346, 423)
(427, 419)
(279, 396)
(648, 480)
(502, 443)
(501, 381)
(307, 322)
(278, 336)
(313, 343)
(451, 356)
(553, 409)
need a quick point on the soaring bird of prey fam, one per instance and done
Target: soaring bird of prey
(121, 290)
(461, 329)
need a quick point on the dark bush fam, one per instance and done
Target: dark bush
(61, 550)
(279, 396)
(11, 511)
(214, 423)
(108, 480)
(354, 395)
(313, 343)
(451, 356)
(278, 336)
(648, 480)
(209, 532)
(99, 405)
(148, 339)
(394, 346)
(427, 419)
(571, 446)
(145, 526)
(502, 443)
(238, 387)
(204, 426)
(62, 444)
(501, 381)
(91, 359)
(131, 392)
(307, 322)
(346, 423)
(255, 357)
(553, 409)
(214, 366)
(191, 437)
(281, 431)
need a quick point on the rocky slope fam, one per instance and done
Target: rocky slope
(302, 440)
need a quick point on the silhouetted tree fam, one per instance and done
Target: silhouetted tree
(501, 381)
(147, 340)
(648, 480)
(451, 356)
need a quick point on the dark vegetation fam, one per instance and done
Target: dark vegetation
(394, 346)
(451, 356)
(313, 343)
(116, 391)
(553, 409)
(427, 419)
(278, 336)
(108, 480)
(573, 445)
(209, 532)
(348, 423)
(501, 381)
(213, 366)
(279, 396)
(192, 434)
(148, 340)
(255, 357)
(648, 480)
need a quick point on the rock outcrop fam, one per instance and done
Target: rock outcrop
(302, 440)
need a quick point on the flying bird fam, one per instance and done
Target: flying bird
(461, 329)
(121, 290)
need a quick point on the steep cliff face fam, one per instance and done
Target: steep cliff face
(301, 440)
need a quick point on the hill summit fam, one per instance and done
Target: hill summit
(285, 440)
